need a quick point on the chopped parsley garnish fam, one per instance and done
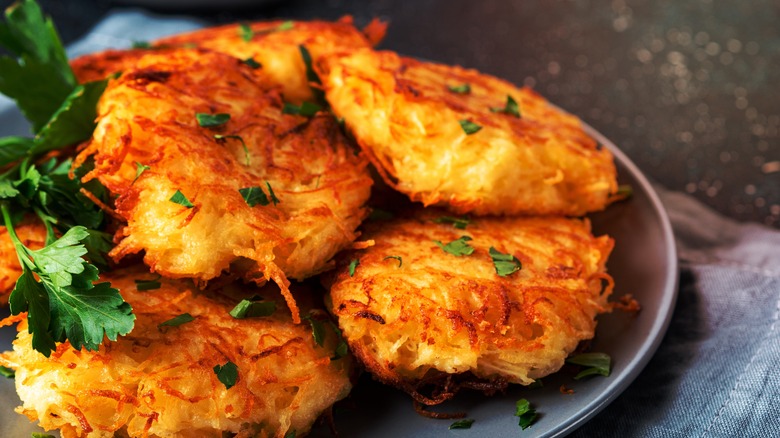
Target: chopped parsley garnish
(7, 372)
(458, 247)
(526, 413)
(227, 374)
(318, 333)
(460, 89)
(462, 424)
(212, 120)
(317, 329)
(352, 265)
(306, 109)
(41, 435)
(141, 45)
(469, 127)
(400, 260)
(220, 137)
(179, 198)
(271, 193)
(311, 75)
(458, 222)
(505, 264)
(252, 63)
(177, 320)
(511, 108)
(139, 170)
(625, 191)
(596, 363)
(142, 285)
(287, 25)
(253, 309)
(256, 195)
(246, 32)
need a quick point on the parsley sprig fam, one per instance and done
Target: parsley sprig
(57, 288)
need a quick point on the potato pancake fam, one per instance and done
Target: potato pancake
(32, 233)
(97, 66)
(455, 137)
(212, 174)
(414, 312)
(160, 381)
(274, 45)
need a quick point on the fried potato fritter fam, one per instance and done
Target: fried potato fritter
(467, 149)
(308, 184)
(413, 313)
(160, 381)
(275, 46)
(33, 234)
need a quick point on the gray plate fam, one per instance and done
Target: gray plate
(644, 264)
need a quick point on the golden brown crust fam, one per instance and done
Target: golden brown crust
(415, 320)
(32, 233)
(98, 66)
(404, 116)
(275, 45)
(160, 382)
(147, 116)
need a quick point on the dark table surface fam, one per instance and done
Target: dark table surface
(689, 89)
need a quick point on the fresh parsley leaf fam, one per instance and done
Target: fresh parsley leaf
(142, 285)
(271, 193)
(526, 412)
(311, 75)
(287, 25)
(352, 265)
(7, 372)
(139, 170)
(625, 191)
(306, 109)
(511, 108)
(14, 148)
(220, 137)
(505, 264)
(460, 89)
(254, 196)
(212, 120)
(179, 198)
(462, 424)
(458, 247)
(317, 329)
(342, 349)
(458, 222)
(41, 435)
(252, 63)
(40, 78)
(227, 374)
(141, 45)
(400, 261)
(253, 309)
(469, 127)
(177, 320)
(597, 363)
(246, 32)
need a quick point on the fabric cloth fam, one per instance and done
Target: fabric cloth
(717, 372)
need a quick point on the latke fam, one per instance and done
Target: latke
(415, 314)
(32, 233)
(160, 381)
(467, 148)
(177, 183)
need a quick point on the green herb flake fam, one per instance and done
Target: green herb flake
(317, 329)
(596, 363)
(252, 63)
(624, 191)
(460, 89)
(271, 193)
(462, 424)
(306, 109)
(220, 137)
(458, 247)
(458, 222)
(511, 108)
(287, 25)
(505, 264)
(400, 260)
(254, 196)
(227, 374)
(7, 372)
(469, 127)
(253, 309)
(179, 198)
(526, 413)
(142, 285)
(176, 321)
(139, 170)
(246, 32)
(141, 45)
(41, 435)
(352, 265)
(311, 75)
(212, 120)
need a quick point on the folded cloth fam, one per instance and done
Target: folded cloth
(717, 371)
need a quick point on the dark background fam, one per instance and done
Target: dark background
(687, 88)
